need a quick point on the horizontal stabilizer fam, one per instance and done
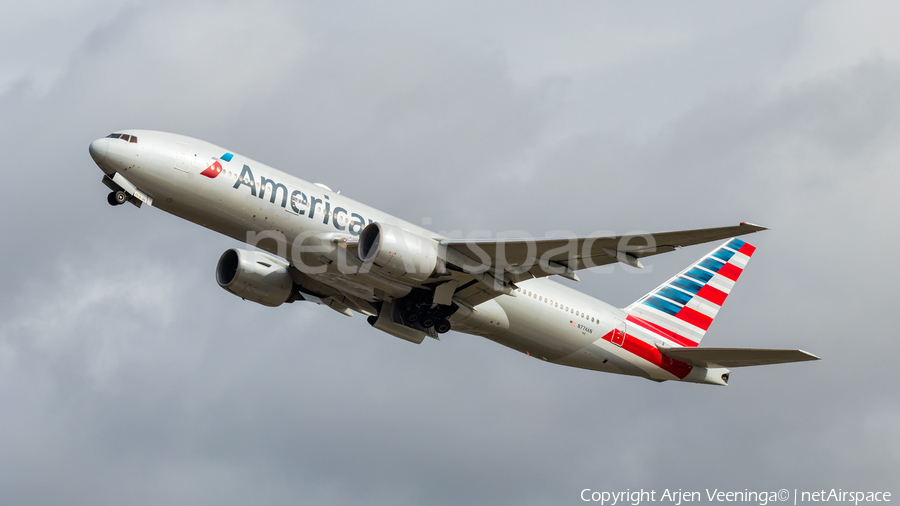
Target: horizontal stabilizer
(735, 357)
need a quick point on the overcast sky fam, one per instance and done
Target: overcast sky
(128, 377)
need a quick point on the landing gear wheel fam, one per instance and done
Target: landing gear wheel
(121, 197)
(428, 322)
(111, 198)
(413, 317)
(442, 326)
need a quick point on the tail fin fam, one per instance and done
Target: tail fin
(681, 309)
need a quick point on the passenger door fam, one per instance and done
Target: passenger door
(618, 335)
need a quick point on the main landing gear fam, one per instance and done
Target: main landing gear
(419, 308)
(117, 198)
(420, 317)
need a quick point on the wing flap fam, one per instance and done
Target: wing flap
(735, 357)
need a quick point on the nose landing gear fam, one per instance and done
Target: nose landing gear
(117, 198)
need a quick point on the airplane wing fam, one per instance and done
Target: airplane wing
(492, 265)
(735, 357)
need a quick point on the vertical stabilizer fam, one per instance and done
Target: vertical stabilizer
(682, 309)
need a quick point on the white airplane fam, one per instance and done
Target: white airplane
(324, 247)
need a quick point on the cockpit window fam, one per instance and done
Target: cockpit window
(124, 137)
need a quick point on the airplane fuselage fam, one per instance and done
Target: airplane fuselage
(236, 196)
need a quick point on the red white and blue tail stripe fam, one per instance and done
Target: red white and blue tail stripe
(682, 309)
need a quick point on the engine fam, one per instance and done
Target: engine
(400, 253)
(255, 276)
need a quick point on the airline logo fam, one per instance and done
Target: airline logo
(682, 309)
(216, 168)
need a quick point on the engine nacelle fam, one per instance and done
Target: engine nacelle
(255, 276)
(398, 252)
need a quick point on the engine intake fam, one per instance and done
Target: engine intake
(398, 252)
(255, 276)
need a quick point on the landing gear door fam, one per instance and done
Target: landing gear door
(618, 335)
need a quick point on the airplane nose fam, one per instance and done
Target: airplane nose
(98, 149)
